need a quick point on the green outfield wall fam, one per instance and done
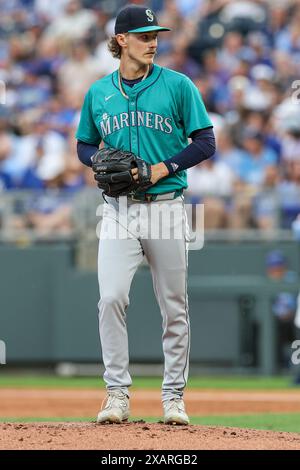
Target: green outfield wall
(48, 307)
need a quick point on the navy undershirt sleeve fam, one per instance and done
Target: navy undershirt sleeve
(85, 152)
(203, 146)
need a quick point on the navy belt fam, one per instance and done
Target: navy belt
(144, 197)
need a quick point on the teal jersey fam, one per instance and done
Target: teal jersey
(154, 122)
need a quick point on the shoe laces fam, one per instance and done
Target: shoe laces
(113, 398)
(176, 403)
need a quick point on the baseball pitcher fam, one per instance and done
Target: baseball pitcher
(144, 115)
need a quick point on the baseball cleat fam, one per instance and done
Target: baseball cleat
(116, 409)
(174, 412)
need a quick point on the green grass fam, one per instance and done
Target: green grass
(224, 383)
(289, 422)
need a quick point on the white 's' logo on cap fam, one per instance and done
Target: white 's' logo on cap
(150, 15)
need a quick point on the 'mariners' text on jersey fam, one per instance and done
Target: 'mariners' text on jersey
(111, 124)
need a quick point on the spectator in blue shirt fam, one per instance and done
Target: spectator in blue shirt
(256, 159)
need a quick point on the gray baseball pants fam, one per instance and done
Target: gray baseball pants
(119, 258)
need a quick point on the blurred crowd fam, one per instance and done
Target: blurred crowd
(244, 56)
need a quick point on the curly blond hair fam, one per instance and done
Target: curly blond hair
(114, 48)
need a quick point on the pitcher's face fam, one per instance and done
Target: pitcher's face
(140, 47)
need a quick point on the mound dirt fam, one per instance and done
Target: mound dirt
(139, 435)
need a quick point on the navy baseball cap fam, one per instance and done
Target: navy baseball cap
(137, 19)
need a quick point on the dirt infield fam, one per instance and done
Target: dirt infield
(22, 403)
(86, 403)
(139, 436)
